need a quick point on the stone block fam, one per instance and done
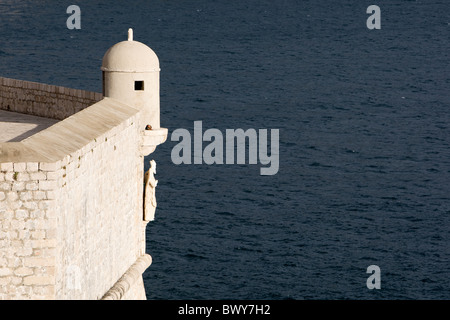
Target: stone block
(32, 186)
(39, 261)
(40, 175)
(5, 272)
(12, 196)
(52, 166)
(51, 195)
(43, 224)
(16, 281)
(44, 243)
(18, 186)
(11, 176)
(5, 186)
(17, 224)
(6, 214)
(23, 271)
(54, 175)
(22, 176)
(24, 252)
(21, 214)
(32, 166)
(15, 205)
(47, 185)
(20, 166)
(39, 195)
(38, 280)
(7, 166)
(26, 195)
(51, 233)
(45, 204)
(24, 234)
(30, 205)
(37, 214)
(38, 234)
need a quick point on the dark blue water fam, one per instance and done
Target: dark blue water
(364, 138)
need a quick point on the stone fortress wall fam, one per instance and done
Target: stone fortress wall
(71, 196)
(44, 100)
(69, 214)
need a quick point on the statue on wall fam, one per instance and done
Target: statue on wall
(149, 192)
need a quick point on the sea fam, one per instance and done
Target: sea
(364, 138)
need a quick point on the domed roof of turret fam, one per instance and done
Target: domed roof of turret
(130, 56)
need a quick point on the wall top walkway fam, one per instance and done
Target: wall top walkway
(15, 127)
(69, 135)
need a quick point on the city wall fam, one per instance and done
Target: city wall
(71, 197)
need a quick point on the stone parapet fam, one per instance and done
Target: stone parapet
(44, 100)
